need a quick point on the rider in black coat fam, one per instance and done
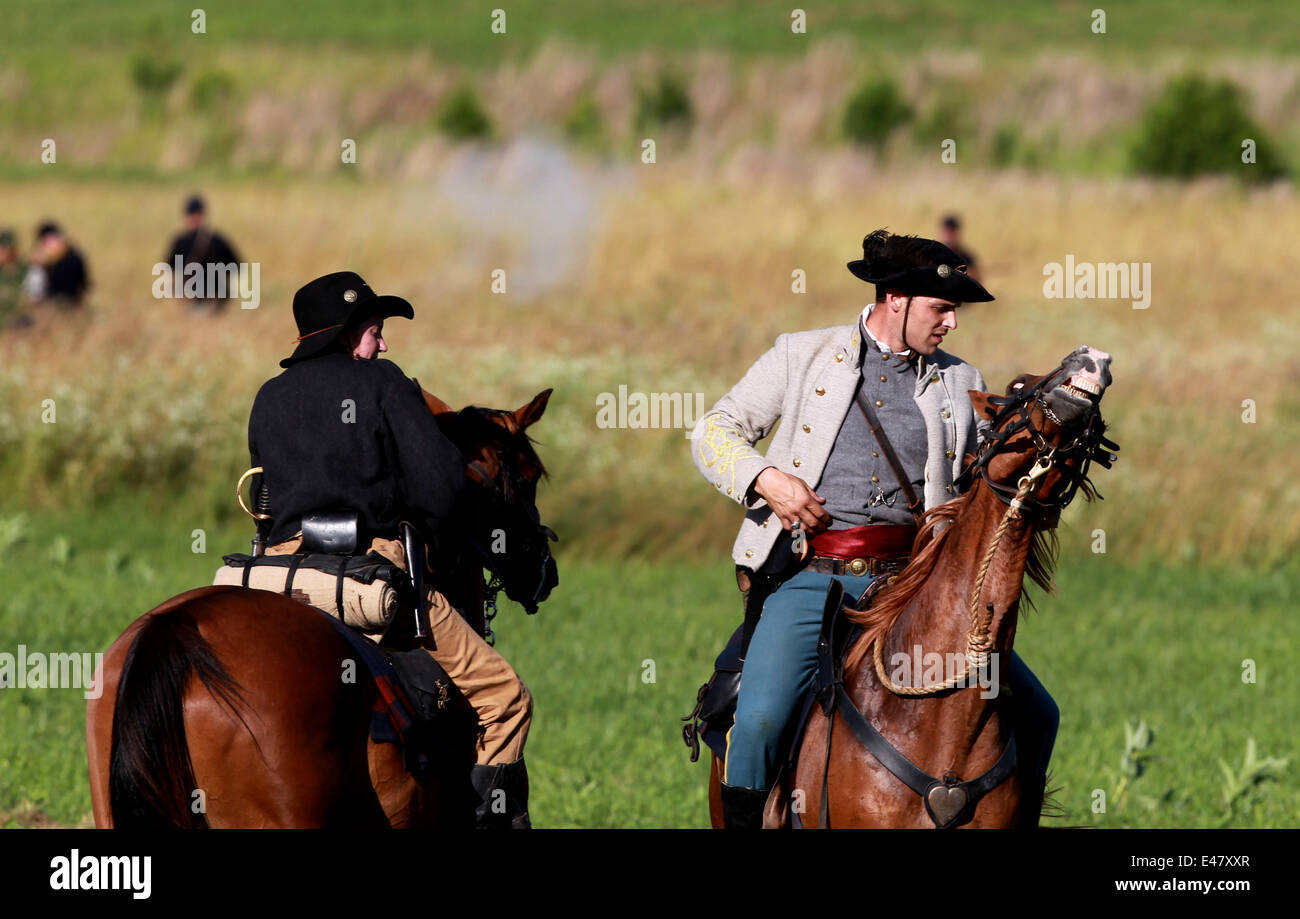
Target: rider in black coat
(343, 430)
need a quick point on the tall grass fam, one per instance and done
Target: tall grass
(673, 278)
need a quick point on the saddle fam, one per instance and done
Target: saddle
(715, 703)
(418, 704)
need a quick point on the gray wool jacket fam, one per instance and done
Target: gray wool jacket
(807, 381)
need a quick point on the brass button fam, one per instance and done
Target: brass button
(948, 454)
(764, 523)
(946, 414)
(858, 567)
(949, 489)
(839, 358)
(806, 429)
(879, 403)
(728, 491)
(883, 379)
(797, 461)
(935, 378)
(874, 453)
(749, 553)
(875, 478)
(884, 357)
(820, 390)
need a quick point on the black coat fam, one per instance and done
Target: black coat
(382, 454)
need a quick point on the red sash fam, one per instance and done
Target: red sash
(880, 540)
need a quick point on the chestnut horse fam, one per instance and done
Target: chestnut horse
(959, 596)
(273, 736)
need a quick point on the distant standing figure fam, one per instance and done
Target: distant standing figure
(950, 236)
(58, 275)
(200, 243)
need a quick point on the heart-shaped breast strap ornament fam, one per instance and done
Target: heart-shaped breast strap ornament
(945, 804)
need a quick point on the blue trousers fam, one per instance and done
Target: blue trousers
(782, 661)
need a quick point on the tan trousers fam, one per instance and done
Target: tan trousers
(499, 698)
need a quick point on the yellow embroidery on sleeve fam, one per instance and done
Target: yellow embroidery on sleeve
(726, 446)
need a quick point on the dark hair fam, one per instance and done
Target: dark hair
(886, 253)
(951, 222)
(46, 229)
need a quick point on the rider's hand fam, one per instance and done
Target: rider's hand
(791, 499)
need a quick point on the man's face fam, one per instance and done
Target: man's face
(928, 320)
(368, 340)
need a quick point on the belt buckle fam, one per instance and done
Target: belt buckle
(859, 566)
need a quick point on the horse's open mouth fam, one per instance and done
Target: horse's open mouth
(1082, 388)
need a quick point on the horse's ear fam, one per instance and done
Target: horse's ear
(436, 405)
(531, 412)
(980, 400)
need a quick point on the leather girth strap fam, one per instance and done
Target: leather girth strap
(864, 404)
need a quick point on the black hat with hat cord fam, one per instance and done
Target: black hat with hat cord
(323, 308)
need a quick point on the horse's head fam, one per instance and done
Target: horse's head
(1044, 433)
(504, 469)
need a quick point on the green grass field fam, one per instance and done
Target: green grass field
(1116, 644)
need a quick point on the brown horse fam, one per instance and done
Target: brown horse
(960, 597)
(273, 736)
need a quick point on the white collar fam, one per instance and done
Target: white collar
(884, 348)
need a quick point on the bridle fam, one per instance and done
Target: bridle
(1088, 446)
(501, 491)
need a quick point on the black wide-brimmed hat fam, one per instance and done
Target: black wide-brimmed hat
(917, 266)
(323, 308)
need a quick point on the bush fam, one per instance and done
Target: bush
(1006, 143)
(874, 111)
(584, 124)
(211, 89)
(461, 116)
(663, 104)
(153, 72)
(949, 116)
(1197, 126)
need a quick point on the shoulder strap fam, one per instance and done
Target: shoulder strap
(913, 503)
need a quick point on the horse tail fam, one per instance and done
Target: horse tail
(151, 776)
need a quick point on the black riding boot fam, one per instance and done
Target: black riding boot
(742, 808)
(503, 796)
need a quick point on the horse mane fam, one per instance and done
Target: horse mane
(936, 526)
